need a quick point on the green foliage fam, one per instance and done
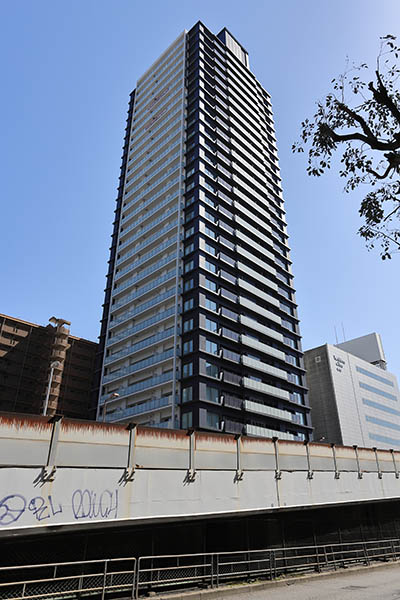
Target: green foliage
(366, 129)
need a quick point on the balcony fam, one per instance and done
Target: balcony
(141, 326)
(149, 201)
(153, 339)
(146, 257)
(264, 388)
(269, 433)
(265, 368)
(138, 366)
(157, 266)
(147, 384)
(146, 215)
(152, 238)
(142, 308)
(144, 289)
(139, 409)
(149, 227)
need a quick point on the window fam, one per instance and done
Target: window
(188, 347)
(211, 325)
(296, 397)
(187, 420)
(212, 420)
(188, 285)
(187, 394)
(187, 370)
(211, 249)
(211, 347)
(211, 267)
(189, 232)
(212, 394)
(210, 201)
(189, 215)
(210, 232)
(190, 200)
(211, 305)
(210, 216)
(189, 248)
(211, 285)
(212, 370)
(188, 304)
(188, 325)
(375, 390)
(375, 376)
(189, 266)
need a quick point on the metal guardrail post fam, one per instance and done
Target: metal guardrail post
(103, 593)
(129, 472)
(48, 471)
(337, 472)
(134, 579)
(191, 472)
(137, 578)
(377, 462)
(394, 464)
(278, 472)
(310, 474)
(360, 473)
(239, 471)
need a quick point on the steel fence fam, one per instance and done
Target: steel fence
(132, 577)
(213, 569)
(68, 579)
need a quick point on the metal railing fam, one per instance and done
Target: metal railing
(134, 577)
(69, 579)
(214, 569)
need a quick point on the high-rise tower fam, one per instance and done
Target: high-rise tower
(199, 301)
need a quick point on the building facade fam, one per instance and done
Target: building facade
(354, 401)
(27, 354)
(200, 324)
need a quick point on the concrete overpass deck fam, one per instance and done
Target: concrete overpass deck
(65, 475)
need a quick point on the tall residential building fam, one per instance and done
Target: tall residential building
(354, 400)
(199, 303)
(27, 353)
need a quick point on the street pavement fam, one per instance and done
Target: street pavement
(381, 583)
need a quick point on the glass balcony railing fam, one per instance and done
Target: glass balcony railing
(269, 433)
(145, 273)
(170, 97)
(140, 326)
(149, 158)
(146, 92)
(150, 176)
(149, 201)
(145, 288)
(153, 339)
(144, 81)
(144, 95)
(138, 366)
(143, 138)
(140, 150)
(145, 257)
(149, 226)
(142, 308)
(173, 55)
(142, 385)
(155, 184)
(148, 241)
(149, 406)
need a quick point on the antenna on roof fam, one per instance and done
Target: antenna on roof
(344, 335)
(337, 341)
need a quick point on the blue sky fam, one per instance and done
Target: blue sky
(67, 71)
